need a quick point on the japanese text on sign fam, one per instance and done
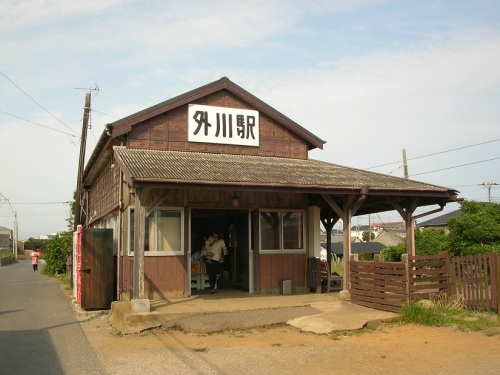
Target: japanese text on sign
(223, 125)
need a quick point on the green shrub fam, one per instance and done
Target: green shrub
(365, 256)
(56, 252)
(393, 253)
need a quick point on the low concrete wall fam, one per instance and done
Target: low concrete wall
(4, 260)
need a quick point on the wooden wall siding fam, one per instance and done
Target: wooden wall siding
(280, 200)
(169, 132)
(163, 275)
(104, 193)
(164, 197)
(277, 267)
(219, 199)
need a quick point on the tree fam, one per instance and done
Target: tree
(56, 252)
(429, 241)
(477, 230)
(365, 236)
(32, 244)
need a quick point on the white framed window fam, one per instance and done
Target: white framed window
(163, 232)
(282, 231)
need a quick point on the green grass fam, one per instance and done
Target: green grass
(450, 315)
(337, 266)
(200, 350)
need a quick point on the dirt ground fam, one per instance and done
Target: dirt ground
(385, 349)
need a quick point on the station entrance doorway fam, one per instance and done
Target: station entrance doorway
(234, 227)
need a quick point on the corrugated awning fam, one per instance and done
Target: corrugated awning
(177, 167)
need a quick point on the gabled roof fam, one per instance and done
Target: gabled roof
(124, 125)
(441, 221)
(391, 238)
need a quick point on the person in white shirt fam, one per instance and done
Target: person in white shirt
(215, 252)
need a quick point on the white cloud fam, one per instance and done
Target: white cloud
(416, 98)
(14, 14)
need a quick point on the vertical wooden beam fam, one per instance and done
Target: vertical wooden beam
(187, 252)
(347, 249)
(254, 250)
(410, 235)
(139, 223)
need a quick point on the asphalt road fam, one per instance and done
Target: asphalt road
(39, 333)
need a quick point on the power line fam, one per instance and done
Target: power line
(456, 166)
(66, 202)
(102, 113)
(41, 106)
(36, 123)
(436, 153)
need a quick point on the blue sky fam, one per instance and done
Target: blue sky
(371, 78)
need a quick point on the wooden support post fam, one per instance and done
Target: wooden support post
(404, 260)
(347, 249)
(138, 292)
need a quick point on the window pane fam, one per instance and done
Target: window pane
(169, 230)
(270, 230)
(293, 223)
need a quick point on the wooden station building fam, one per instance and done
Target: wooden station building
(219, 158)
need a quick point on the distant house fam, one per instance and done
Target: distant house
(378, 228)
(356, 248)
(440, 222)
(5, 238)
(390, 238)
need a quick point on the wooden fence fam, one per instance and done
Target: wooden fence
(427, 275)
(389, 285)
(477, 279)
(379, 285)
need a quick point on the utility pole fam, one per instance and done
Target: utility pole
(14, 240)
(81, 163)
(405, 163)
(369, 228)
(488, 186)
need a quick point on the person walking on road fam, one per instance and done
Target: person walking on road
(34, 259)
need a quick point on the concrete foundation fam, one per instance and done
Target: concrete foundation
(141, 305)
(345, 295)
(127, 321)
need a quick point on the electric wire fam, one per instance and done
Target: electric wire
(36, 123)
(437, 153)
(456, 166)
(41, 106)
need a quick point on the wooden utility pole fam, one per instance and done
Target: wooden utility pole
(81, 163)
(405, 163)
(488, 186)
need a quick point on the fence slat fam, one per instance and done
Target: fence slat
(475, 278)
(383, 285)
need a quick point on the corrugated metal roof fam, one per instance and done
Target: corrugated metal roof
(442, 220)
(207, 168)
(356, 247)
